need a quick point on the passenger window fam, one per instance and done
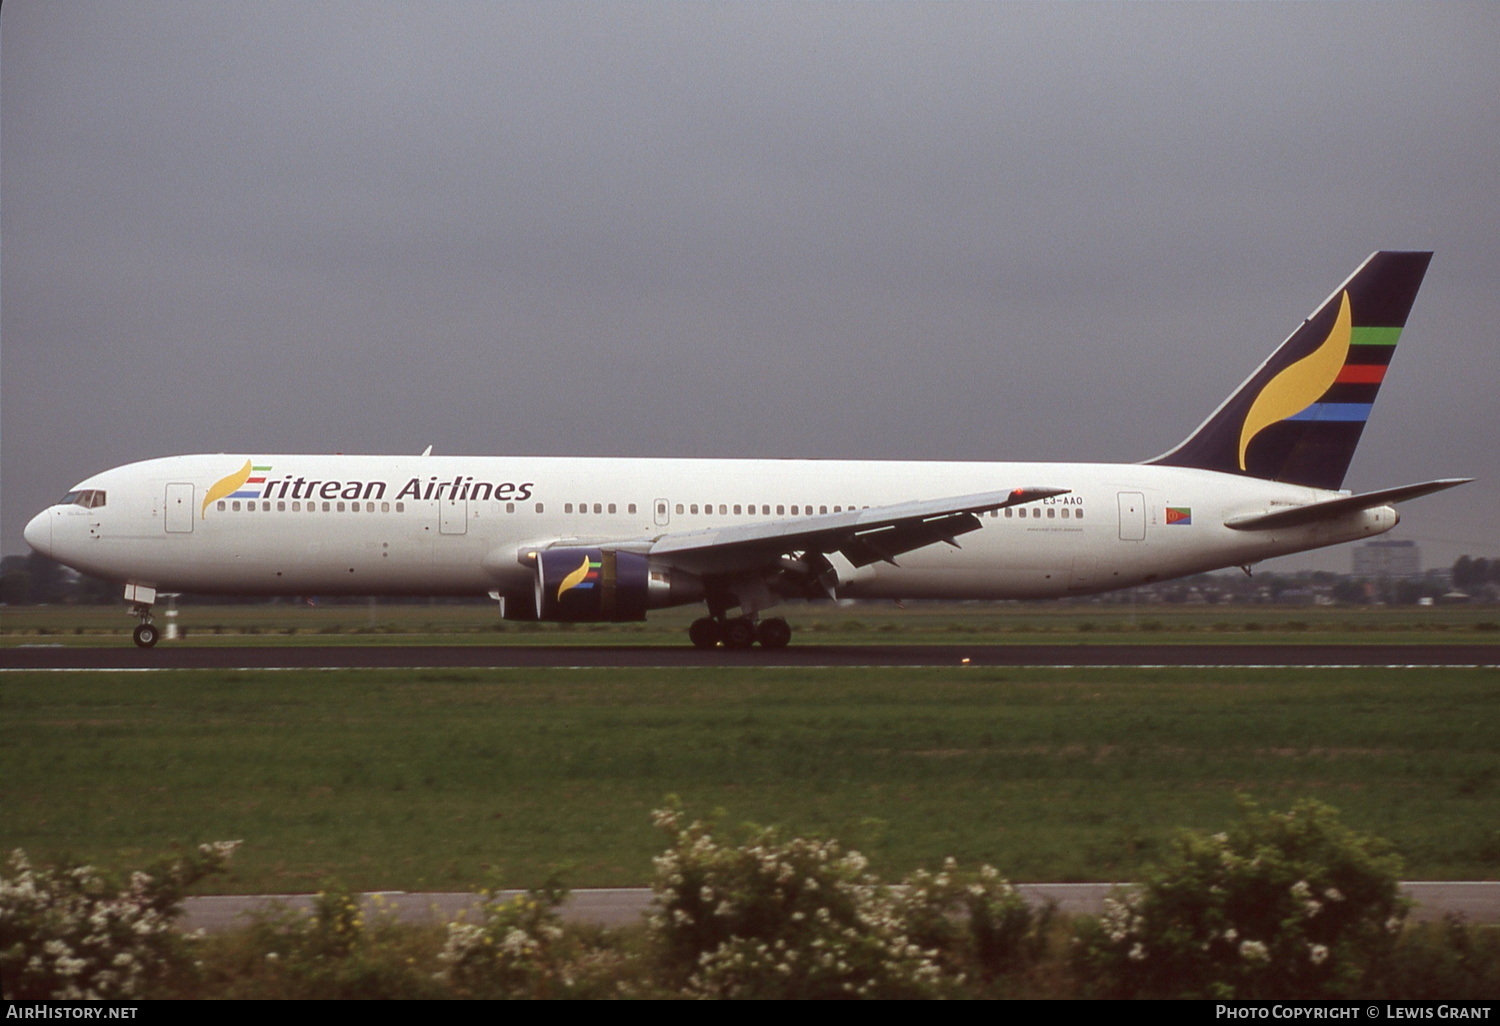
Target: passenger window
(1078, 513)
(822, 509)
(599, 509)
(540, 507)
(631, 508)
(611, 507)
(400, 507)
(296, 507)
(1065, 512)
(510, 507)
(220, 506)
(1051, 512)
(794, 511)
(693, 508)
(353, 507)
(736, 509)
(567, 507)
(328, 506)
(281, 507)
(385, 507)
(1009, 512)
(234, 508)
(781, 511)
(679, 509)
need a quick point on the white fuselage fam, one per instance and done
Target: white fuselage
(454, 525)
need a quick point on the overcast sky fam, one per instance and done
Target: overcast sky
(862, 230)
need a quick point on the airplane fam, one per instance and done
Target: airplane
(609, 539)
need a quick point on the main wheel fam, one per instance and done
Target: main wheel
(773, 633)
(739, 633)
(146, 635)
(704, 632)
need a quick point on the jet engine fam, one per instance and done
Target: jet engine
(586, 585)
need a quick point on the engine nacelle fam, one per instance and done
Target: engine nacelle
(606, 586)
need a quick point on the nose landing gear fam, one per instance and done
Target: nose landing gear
(146, 634)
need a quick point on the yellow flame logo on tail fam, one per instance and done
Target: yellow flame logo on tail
(225, 486)
(1303, 383)
(575, 578)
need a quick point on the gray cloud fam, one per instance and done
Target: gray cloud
(967, 231)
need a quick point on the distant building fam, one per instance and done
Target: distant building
(1385, 559)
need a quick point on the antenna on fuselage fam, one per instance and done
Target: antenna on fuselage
(427, 451)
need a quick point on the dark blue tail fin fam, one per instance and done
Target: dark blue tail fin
(1298, 418)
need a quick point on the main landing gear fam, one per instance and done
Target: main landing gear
(739, 632)
(147, 634)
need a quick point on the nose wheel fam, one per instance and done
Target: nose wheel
(146, 634)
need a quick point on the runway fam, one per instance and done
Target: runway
(123, 657)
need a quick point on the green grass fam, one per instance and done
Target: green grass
(866, 623)
(448, 779)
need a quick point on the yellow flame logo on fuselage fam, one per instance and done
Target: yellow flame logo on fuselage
(225, 486)
(1303, 383)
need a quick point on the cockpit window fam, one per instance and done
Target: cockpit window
(90, 498)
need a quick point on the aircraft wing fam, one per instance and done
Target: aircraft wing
(1297, 515)
(863, 536)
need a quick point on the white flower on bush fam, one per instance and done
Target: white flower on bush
(1254, 952)
(69, 933)
(511, 952)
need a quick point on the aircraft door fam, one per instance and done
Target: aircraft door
(453, 516)
(178, 515)
(663, 512)
(1132, 516)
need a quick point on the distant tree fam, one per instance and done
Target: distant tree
(15, 588)
(95, 591)
(50, 580)
(1350, 591)
(1470, 572)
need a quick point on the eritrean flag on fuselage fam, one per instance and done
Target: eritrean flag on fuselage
(1299, 417)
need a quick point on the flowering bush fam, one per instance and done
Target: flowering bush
(800, 918)
(513, 951)
(1284, 905)
(71, 933)
(978, 922)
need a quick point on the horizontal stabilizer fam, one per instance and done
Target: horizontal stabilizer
(1332, 508)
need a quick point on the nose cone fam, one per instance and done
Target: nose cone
(38, 533)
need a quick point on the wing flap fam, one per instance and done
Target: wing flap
(877, 534)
